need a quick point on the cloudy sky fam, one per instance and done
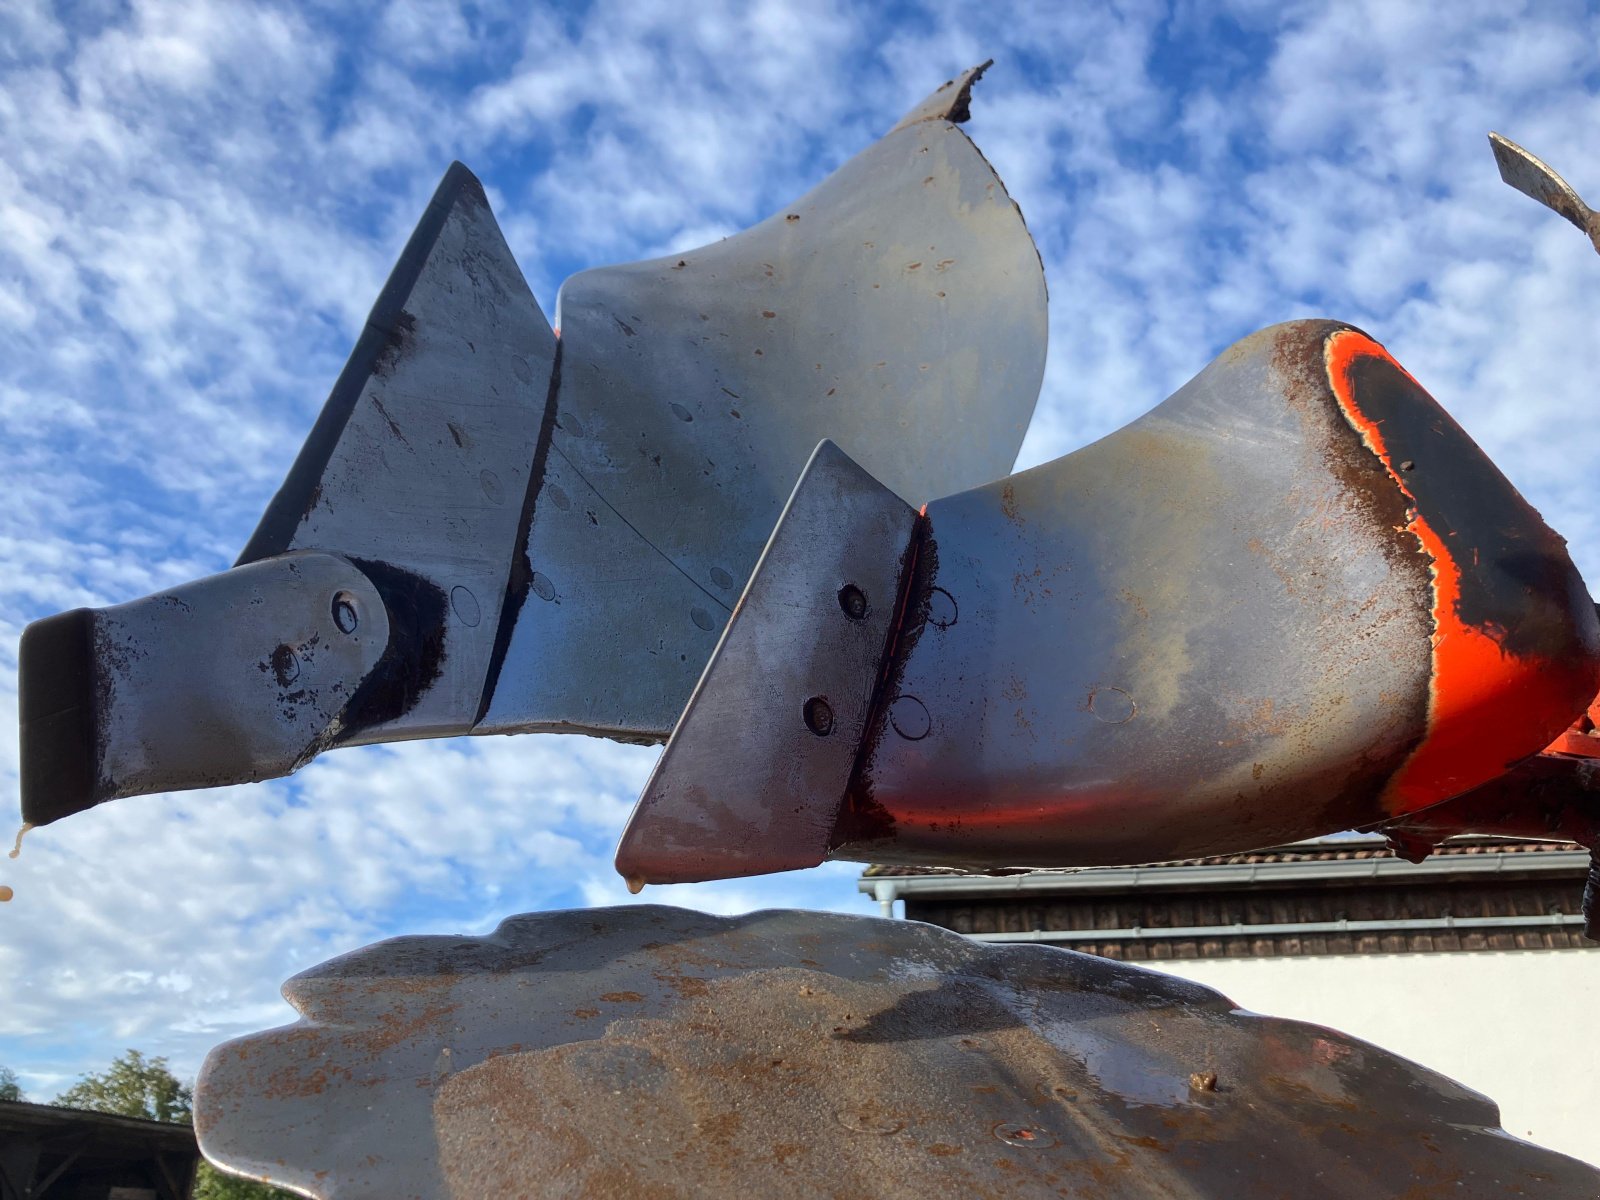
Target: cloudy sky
(199, 201)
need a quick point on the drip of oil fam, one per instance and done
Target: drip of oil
(16, 848)
(635, 886)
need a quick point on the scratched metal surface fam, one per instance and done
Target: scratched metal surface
(427, 470)
(185, 676)
(1216, 629)
(652, 1051)
(836, 552)
(897, 309)
(1204, 632)
(558, 531)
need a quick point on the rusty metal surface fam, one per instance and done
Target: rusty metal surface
(558, 530)
(952, 101)
(1533, 177)
(651, 1051)
(898, 309)
(836, 551)
(1219, 628)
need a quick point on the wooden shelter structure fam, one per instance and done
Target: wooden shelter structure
(51, 1153)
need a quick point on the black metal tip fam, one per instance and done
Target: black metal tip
(58, 717)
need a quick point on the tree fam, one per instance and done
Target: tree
(136, 1086)
(212, 1184)
(10, 1089)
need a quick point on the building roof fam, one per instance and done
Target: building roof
(1343, 848)
(23, 1116)
(1342, 895)
(73, 1152)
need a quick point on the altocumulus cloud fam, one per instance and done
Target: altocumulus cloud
(199, 201)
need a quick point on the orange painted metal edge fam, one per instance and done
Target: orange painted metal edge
(1487, 708)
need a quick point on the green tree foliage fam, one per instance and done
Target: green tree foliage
(10, 1089)
(136, 1086)
(212, 1184)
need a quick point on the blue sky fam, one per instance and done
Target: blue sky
(199, 202)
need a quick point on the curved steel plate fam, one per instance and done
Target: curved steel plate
(559, 529)
(898, 309)
(656, 1052)
(1534, 177)
(1292, 599)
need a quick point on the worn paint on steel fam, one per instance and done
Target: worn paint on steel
(651, 1051)
(1510, 662)
(1228, 625)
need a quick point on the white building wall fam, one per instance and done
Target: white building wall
(1518, 1026)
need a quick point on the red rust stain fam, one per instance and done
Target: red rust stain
(1485, 704)
(622, 998)
(1008, 503)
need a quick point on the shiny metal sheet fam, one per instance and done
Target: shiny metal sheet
(837, 551)
(424, 452)
(651, 1051)
(559, 529)
(1534, 177)
(898, 310)
(1292, 599)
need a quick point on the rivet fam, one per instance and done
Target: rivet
(721, 578)
(490, 483)
(865, 1121)
(570, 424)
(853, 602)
(542, 587)
(285, 666)
(1112, 705)
(1013, 1134)
(702, 618)
(559, 498)
(818, 714)
(942, 609)
(466, 606)
(910, 719)
(679, 411)
(344, 612)
(521, 369)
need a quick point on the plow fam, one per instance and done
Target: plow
(755, 502)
